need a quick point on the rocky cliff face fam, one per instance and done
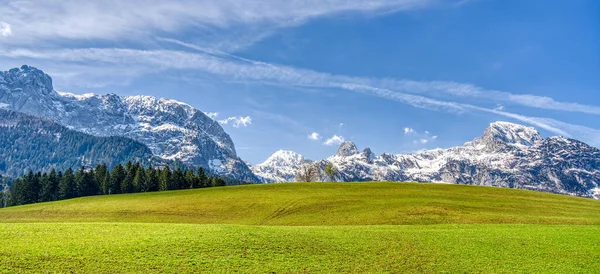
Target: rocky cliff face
(507, 155)
(172, 130)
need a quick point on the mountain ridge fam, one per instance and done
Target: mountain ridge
(506, 155)
(172, 130)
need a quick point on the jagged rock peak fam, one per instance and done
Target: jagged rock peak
(510, 133)
(368, 154)
(28, 76)
(347, 148)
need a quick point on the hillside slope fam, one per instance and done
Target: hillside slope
(32, 143)
(321, 204)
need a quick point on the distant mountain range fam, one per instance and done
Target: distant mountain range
(507, 155)
(42, 128)
(171, 130)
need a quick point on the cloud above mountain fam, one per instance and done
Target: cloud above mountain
(334, 140)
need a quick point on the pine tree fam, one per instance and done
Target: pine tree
(66, 186)
(100, 174)
(202, 179)
(152, 179)
(92, 187)
(178, 180)
(117, 176)
(165, 179)
(46, 191)
(191, 180)
(53, 180)
(27, 190)
(19, 191)
(81, 182)
(127, 185)
(139, 181)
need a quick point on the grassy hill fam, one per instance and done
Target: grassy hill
(312, 227)
(310, 204)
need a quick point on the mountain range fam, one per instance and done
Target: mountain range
(36, 121)
(171, 130)
(507, 155)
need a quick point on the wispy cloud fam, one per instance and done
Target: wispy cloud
(237, 121)
(248, 70)
(314, 136)
(420, 138)
(334, 140)
(129, 20)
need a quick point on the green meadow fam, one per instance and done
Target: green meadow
(307, 228)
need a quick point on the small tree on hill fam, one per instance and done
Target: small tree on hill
(331, 172)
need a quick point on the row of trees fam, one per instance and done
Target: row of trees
(131, 178)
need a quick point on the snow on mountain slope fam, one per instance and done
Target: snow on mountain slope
(280, 167)
(507, 155)
(171, 129)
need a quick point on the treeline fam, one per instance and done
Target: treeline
(131, 178)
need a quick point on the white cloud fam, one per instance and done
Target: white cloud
(212, 115)
(5, 29)
(248, 70)
(237, 121)
(334, 140)
(314, 136)
(342, 125)
(423, 138)
(115, 19)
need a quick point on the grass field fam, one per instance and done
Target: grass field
(315, 227)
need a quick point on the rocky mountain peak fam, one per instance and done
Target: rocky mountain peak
(280, 167)
(285, 157)
(508, 133)
(347, 148)
(368, 154)
(39, 82)
(170, 129)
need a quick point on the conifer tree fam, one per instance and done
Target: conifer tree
(81, 182)
(19, 191)
(66, 186)
(46, 188)
(53, 180)
(191, 180)
(139, 180)
(178, 180)
(165, 179)
(100, 174)
(152, 179)
(202, 179)
(117, 176)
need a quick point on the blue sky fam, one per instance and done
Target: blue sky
(396, 76)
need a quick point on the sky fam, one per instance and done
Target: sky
(396, 76)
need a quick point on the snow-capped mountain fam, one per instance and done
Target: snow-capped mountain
(172, 130)
(280, 167)
(507, 155)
